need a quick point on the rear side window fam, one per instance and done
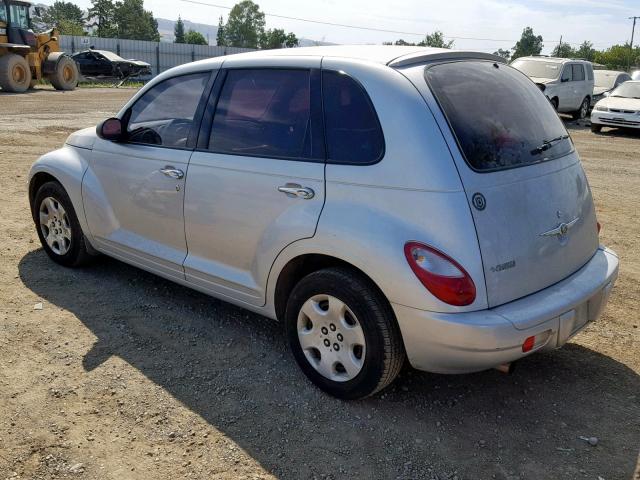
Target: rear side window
(353, 133)
(578, 72)
(164, 114)
(499, 117)
(264, 112)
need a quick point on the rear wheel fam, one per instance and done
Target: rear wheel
(15, 74)
(58, 228)
(343, 333)
(66, 75)
(554, 103)
(595, 128)
(583, 111)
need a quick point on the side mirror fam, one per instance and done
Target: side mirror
(110, 129)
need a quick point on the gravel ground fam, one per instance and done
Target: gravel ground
(112, 373)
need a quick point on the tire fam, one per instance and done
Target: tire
(595, 128)
(554, 103)
(15, 74)
(60, 235)
(582, 111)
(66, 75)
(350, 313)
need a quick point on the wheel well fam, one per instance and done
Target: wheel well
(301, 266)
(37, 181)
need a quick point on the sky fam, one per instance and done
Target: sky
(483, 25)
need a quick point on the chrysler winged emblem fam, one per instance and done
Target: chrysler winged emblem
(561, 229)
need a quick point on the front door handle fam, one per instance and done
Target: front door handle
(295, 190)
(172, 172)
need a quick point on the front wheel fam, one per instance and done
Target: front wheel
(66, 74)
(58, 228)
(583, 111)
(343, 333)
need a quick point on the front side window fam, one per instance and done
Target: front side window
(578, 72)
(353, 132)
(3, 13)
(164, 114)
(499, 117)
(567, 73)
(19, 16)
(264, 112)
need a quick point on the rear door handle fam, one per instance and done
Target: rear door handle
(172, 172)
(295, 190)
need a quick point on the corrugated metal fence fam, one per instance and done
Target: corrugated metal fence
(161, 55)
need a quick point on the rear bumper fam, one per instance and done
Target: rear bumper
(614, 119)
(474, 341)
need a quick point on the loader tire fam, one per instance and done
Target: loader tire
(66, 75)
(15, 74)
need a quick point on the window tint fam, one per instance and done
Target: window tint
(566, 74)
(164, 114)
(578, 72)
(264, 112)
(353, 133)
(3, 13)
(622, 78)
(499, 117)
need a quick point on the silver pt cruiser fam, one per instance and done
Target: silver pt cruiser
(383, 202)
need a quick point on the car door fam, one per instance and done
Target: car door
(566, 98)
(580, 89)
(133, 191)
(256, 181)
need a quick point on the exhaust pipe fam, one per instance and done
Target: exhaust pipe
(507, 368)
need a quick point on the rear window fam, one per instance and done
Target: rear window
(499, 117)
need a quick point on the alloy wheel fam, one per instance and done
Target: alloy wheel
(55, 225)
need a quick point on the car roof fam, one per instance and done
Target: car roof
(393, 55)
(610, 72)
(542, 58)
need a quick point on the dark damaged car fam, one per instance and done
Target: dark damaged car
(103, 63)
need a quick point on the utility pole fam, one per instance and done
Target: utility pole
(633, 29)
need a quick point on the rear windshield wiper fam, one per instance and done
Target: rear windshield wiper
(547, 144)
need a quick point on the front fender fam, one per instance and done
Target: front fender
(68, 166)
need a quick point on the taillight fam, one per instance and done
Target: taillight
(440, 274)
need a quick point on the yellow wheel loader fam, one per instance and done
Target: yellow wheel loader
(26, 57)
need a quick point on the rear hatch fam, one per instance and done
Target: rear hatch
(527, 191)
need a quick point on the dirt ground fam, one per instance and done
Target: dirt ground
(123, 375)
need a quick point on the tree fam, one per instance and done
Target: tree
(178, 31)
(277, 38)
(134, 22)
(220, 41)
(66, 16)
(563, 50)
(586, 51)
(101, 16)
(194, 38)
(245, 25)
(616, 57)
(501, 52)
(529, 44)
(436, 39)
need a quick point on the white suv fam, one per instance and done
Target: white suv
(567, 83)
(380, 201)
